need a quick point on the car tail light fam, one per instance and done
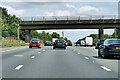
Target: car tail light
(98, 43)
(63, 42)
(110, 46)
(55, 42)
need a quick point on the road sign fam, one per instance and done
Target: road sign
(4, 33)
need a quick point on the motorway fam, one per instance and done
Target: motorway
(74, 62)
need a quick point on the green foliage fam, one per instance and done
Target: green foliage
(55, 35)
(5, 46)
(117, 34)
(61, 38)
(65, 39)
(10, 23)
(42, 36)
(69, 41)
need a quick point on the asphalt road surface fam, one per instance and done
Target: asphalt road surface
(74, 62)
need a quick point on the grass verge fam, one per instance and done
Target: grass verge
(5, 46)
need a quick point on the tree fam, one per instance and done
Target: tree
(65, 39)
(117, 34)
(61, 38)
(55, 35)
(68, 41)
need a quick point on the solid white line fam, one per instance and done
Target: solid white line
(78, 53)
(105, 68)
(32, 57)
(18, 55)
(11, 49)
(86, 57)
(38, 52)
(18, 67)
(43, 50)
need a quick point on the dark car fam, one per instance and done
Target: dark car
(35, 43)
(110, 48)
(77, 44)
(48, 43)
(69, 44)
(60, 43)
(99, 43)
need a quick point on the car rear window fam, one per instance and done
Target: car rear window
(114, 41)
(48, 41)
(59, 40)
(34, 41)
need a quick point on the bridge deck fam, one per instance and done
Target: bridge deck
(69, 23)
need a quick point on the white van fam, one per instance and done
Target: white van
(89, 41)
(82, 43)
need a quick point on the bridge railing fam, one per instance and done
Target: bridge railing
(55, 18)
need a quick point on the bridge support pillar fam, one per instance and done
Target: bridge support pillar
(101, 33)
(27, 36)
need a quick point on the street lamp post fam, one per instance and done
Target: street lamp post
(63, 34)
(18, 32)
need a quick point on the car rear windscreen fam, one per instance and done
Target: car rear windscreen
(59, 41)
(48, 41)
(34, 41)
(114, 41)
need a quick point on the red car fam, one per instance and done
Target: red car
(35, 43)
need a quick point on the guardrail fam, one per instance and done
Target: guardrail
(10, 43)
(55, 18)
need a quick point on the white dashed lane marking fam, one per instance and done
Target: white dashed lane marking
(38, 52)
(32, 57)
(105, 68)
(78, 53)
(18, 67)
(43, 50)
(86, 57)
(18, 55)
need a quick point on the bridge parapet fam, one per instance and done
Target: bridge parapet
(59, 18)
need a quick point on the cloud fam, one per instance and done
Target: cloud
(61, 9)
(14, 11)
(76, 11)
(49, 13)
(60, 0)
(70, 6)
(88, 10)
(63, 13)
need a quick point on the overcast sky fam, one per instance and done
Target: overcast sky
(32, 8)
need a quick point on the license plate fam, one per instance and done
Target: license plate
(34, 44)
(117, 47)
(47, 43)
(59, 43)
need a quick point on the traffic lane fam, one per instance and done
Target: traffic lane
(8, 54)
(12, 48)
(11, 59)
(93, 53)
(59, 63)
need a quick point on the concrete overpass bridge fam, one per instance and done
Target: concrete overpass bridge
(69, 22)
